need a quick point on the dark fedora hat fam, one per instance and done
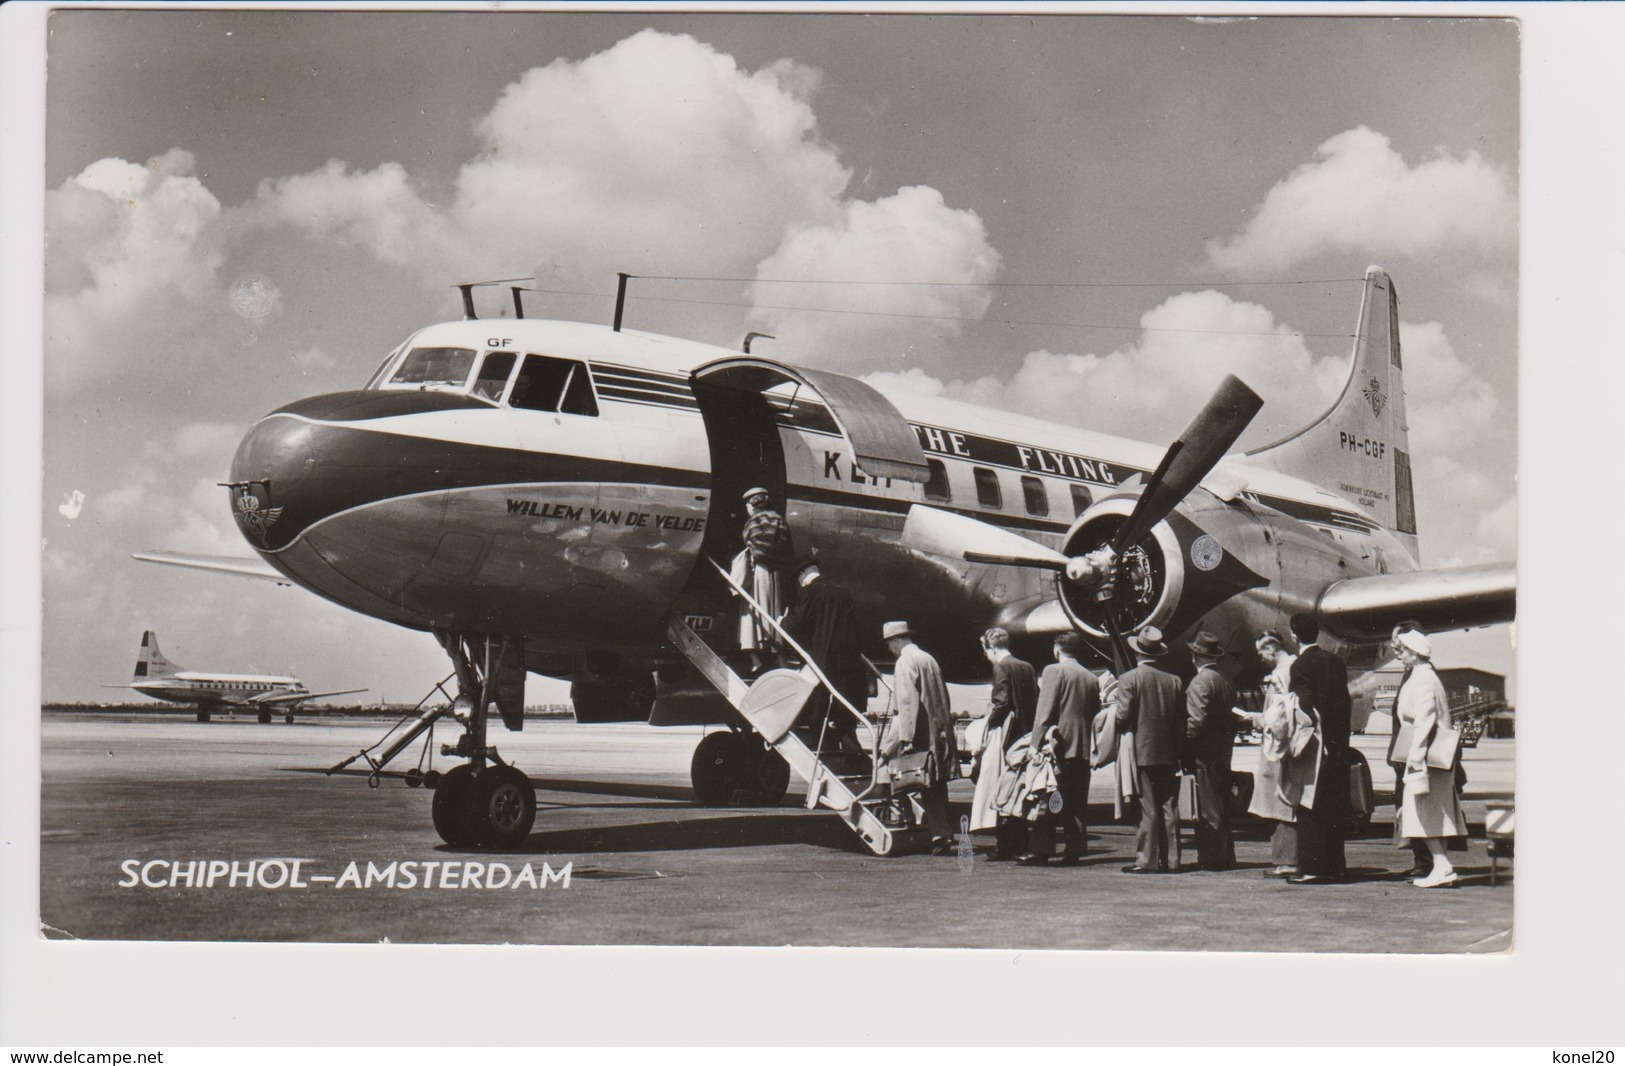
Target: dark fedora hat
(1206, 646)
(1148, 642)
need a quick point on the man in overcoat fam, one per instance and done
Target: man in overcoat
(1151, 701)
(1321, 683)
(1210, 731)
(1013, 699)
(923, 722)
(1068, 698)
(824, 621)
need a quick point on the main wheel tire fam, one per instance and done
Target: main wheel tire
(768, 778)
(265, 718)
(717, 768)
(449, 810)
(202, 715)
(501, 807)
(288, 718)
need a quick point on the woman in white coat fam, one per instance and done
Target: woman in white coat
(1267, 801)
(1431, 813)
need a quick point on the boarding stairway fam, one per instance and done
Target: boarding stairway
(850, 783)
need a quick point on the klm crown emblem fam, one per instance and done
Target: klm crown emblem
(1373, 394)
(255, 519)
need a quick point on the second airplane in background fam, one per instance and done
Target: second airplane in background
(161, 679)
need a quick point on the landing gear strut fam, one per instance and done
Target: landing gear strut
(484, 802)
(734, 768)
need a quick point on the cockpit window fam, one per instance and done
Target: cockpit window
(383, 367)
(426, 367)
(549, 384)
(493, 376)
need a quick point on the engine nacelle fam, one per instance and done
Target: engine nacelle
(1203, 555)
(1150, 574)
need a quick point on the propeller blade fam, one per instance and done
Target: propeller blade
(1189, 458)
(1122, 661)
(936, 532)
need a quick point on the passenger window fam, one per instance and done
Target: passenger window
(936, 485)
(493, 376)
(549, 384)
(435, 366)
(987, 488)
(1037, 499)
(1081, 499)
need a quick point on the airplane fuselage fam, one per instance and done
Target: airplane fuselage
(190, 687)
(561, 481)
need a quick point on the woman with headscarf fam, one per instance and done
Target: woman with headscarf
(1267, 801)
(1431, 809)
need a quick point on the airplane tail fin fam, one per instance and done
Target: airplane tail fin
(1359, 447)
(151, 662)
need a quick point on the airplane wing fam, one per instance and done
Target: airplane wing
(1367, 608)
(223, 564)
(298, 697)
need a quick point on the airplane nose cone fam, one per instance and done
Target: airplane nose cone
(271, 467)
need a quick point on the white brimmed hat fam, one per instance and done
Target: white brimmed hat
(1416, 642)
(894, 629)
(751, 494)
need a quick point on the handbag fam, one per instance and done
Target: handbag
(1444, 748)
(910, 771)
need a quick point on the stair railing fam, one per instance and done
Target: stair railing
(817, 671)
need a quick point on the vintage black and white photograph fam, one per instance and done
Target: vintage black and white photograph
(764, 478)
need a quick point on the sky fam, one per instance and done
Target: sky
(1116, 211)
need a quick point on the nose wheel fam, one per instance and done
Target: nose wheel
(491, 808)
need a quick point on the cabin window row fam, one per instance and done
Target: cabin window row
(990, 490)
(543, 382)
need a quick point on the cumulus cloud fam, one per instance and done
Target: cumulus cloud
(661, 150)
(657, 155)
(1448, 405)
(1491, 288)
(1148, 388)
(661, 155)
(127, 244)
(1463, 515)
(910, 237)
(1360, 196)
(377, 210)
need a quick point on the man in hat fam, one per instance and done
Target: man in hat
(1068, 698)
(768, 554)
(1012, 700)
(1151, 701)
(1209, 737)
(922, 723)
(1321, 682)
(824, 622)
